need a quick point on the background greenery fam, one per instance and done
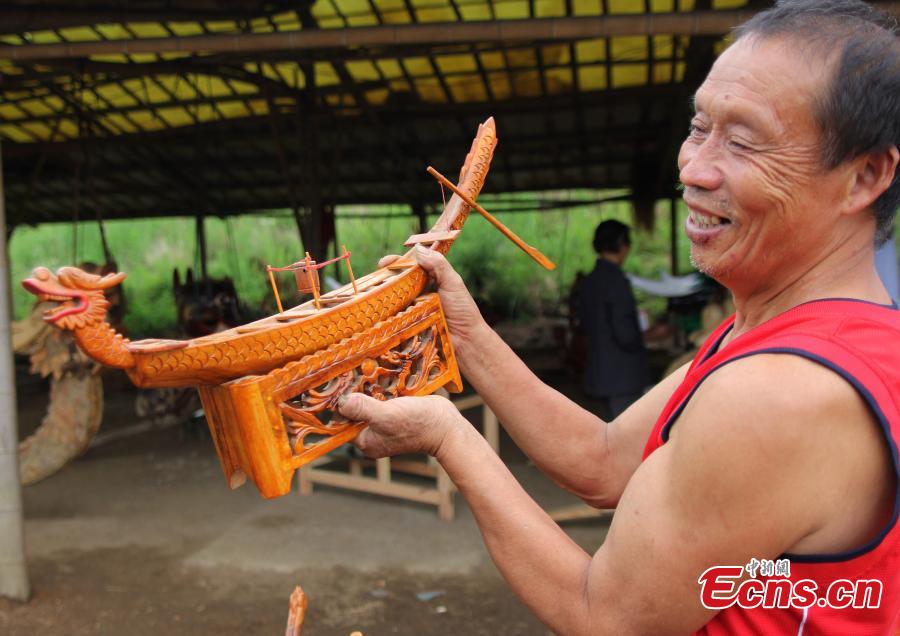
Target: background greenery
(503, 277)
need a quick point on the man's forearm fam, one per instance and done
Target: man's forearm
(542, 565)
(564, 440)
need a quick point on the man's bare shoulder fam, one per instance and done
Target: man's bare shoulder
(801, 434)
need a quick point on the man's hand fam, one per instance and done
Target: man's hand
(460, 310)
(402, 425)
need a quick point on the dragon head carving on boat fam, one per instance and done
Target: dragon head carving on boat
(82, 309)
(79, 293)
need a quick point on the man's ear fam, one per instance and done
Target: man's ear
(874, 173)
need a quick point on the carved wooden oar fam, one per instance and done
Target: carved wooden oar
(533, 252)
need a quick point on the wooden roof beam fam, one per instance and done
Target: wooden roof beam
(507, 31)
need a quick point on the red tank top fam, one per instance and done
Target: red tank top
(861, 342)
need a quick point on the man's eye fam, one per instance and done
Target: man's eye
(695, 130)
(737, 145)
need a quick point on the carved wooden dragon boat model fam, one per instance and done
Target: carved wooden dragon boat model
(269, 387)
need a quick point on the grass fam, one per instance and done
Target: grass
(497, 272)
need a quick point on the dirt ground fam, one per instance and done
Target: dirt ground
(142, 536)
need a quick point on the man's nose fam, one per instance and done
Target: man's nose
(698, 165)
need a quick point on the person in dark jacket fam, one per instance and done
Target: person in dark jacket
(617, 371)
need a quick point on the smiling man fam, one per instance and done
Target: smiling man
(756, 489)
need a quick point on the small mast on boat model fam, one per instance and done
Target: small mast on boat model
(306, 274)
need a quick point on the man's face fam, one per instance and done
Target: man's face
(760, 199)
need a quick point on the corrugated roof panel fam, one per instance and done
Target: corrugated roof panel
(35, 107)
(363, 20)
(431, 13)
(117, 58)
(183, 29)
(527, 83)
(54, 102)
(521, 58)
(234, 108)
(467, 88)
(363, 70)
(243, 88)
(258, 106)
(44, 37)
(8, 113)
(464, 63)
(512, 10)
(587, 7)
(14, 133)
(390, 68)
(145, 120)
(38, 129)
(221, 26)
(663, 46)
(118, 120)
(475, 12)
(555, 54)
(353, 7)
(286, 21)
(430, 90)
(662, 73)
(592, 77)
(175, 116)
(400, 86)
(664, 6)
(377, 96)
(559, 80)
(325, 74)
(500, 84)
(626, 6)
(418, 66)
(68, 129)
(333, 22)
(492, 60)
(147, 30)
(393, 11)
(79, 34)
(549, 8)
(588, 51)
(115, 95)
(144, 57)
(629, 75)
(211, 85)
(628, 48)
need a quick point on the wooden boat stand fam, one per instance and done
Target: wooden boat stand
(440, 495)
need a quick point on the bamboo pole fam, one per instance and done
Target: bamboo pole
(350, 269)
(13, 572)
(312, 281)
(275, 289)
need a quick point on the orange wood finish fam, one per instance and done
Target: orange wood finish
(269, 388)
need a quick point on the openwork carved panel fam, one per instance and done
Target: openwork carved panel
(403, 370)
(265, 427)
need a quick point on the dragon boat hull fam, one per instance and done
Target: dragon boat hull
(270, 388)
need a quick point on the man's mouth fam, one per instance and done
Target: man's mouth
(706, 221)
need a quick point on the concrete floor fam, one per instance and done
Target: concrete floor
(142, 536)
